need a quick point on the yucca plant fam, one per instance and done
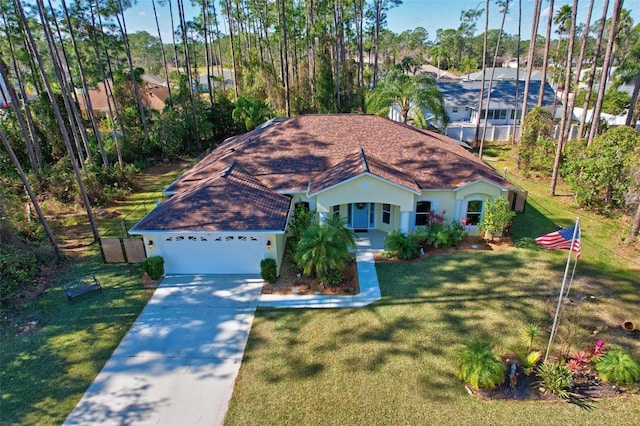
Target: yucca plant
(617, 366)
(530, 335)
(529, 362)
(555, 377)
(478, 365)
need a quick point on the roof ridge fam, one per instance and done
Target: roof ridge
(363, 159)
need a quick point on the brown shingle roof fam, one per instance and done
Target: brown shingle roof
(230, 199)
(154, 97)
(290, 153)
(357, 164)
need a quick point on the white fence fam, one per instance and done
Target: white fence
(466, 132)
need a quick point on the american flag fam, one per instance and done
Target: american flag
(561, 240)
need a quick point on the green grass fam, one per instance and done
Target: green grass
(394, 362)
(45, 371)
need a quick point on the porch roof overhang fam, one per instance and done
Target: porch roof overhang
(357, 165)
(487, 181)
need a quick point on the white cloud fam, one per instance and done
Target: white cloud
(545, 12)
(142, 13)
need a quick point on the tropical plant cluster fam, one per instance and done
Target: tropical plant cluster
(482, 365)
(319, 250)
(434, 235)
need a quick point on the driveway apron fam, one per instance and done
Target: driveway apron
(178, 363)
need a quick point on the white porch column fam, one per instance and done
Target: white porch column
(404, 222)
(458, 210)
(323, 216)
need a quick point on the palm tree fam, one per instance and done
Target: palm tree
(322, 252)
(595, 118)
(629, 72)
(437, 53)
(251, 112)
(412, 94)
(467, 65)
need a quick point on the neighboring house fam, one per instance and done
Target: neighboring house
(462, 100)
(231, 210)
(5, 100)
(154, 98)
(203, 86)
(437, 73)
(502, 74)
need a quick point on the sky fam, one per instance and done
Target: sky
(429, 14)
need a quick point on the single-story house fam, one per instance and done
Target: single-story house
(153, 97)
(462, 100)
(231, 210)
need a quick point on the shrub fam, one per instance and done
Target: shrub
(16, 269)
(497, 216)
(479, 365)
(269, 270)
(154, 267)
(555, 377)
(617, 366)
(331, 277)
(529, 362)
(401, 245)
(323, 251)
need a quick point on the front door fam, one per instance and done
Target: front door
(360, 219)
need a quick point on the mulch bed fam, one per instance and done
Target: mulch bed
(290, 283)
(469, 244)
(585, 389)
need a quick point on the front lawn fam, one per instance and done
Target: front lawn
(393, 362)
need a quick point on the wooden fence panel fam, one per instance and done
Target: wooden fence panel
(134, 249)
(112, 250)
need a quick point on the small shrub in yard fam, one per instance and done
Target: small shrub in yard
(401, 245)
(555, 377)
(269, 270)
(497, 216)
(616, 366)
(479, 365)
(154, 267)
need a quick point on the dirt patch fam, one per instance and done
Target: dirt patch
(290, 282)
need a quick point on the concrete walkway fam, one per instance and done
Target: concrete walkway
(367, 279)
(178, 363)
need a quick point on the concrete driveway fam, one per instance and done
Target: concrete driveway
(178, 363)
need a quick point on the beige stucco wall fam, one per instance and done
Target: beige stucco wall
(365, 189)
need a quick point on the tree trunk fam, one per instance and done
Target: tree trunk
(123, 31)
(632, 103)
(164, 58)
(592, 72)
(15, 103)
(530, 59)
(515, 109)
(32, 197)
(231, 42)
(207, 51)
(484, 68)
(185, 45)
(595, 118)
(493, 69)
(377, 4)
(635, 225)
(287, 99)
(576, 81)
(566, 114)
(58, 115)
(545, 64)
(85, 87)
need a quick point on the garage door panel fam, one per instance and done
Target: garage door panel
(212, 253)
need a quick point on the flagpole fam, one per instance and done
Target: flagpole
(564, 280)
(573, 273)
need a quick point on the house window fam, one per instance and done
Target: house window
(336, 210)
(422, 212)
(503, 114)
(386, 213)
(474, 212)
(454, 110)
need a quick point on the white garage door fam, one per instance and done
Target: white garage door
(212, 253)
